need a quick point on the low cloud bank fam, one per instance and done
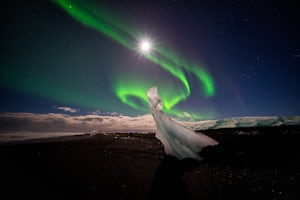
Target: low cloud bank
(67, 109)
(23, 126)
(52, 122)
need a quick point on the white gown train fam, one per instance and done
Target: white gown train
(178, 141)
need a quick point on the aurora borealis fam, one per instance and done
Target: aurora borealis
(162, 57)
(208, 59)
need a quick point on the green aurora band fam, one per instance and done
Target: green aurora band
(132, 91)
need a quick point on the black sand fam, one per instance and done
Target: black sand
(133, 166)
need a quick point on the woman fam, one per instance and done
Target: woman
(178, 141)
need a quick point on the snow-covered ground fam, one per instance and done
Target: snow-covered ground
(243, 122)
(236, 122)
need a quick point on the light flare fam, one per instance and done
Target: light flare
(145, 46)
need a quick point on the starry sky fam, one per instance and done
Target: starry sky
(209, 59)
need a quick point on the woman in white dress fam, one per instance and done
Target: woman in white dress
(178, 141)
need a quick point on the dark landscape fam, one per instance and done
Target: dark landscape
(261, 163)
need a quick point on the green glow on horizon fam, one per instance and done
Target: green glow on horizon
(133, 91)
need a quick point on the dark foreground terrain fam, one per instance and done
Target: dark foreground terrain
(133, 166)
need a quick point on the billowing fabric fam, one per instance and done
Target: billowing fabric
(178, 141)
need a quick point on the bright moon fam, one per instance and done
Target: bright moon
(145, 46)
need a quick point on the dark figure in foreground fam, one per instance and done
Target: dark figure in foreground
(168, 180)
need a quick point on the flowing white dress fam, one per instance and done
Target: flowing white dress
(178, 141)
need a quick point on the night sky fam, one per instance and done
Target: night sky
(209, 59)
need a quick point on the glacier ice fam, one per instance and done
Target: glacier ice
(178, 141)
(245, 122)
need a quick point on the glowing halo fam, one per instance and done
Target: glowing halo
(145, 46)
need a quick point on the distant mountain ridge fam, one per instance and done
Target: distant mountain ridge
(245, 122)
